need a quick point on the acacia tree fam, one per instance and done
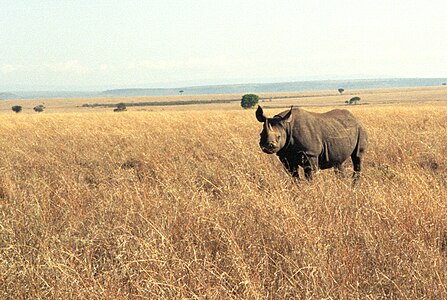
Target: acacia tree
(353, 100)
(249, 100)
(340, 90)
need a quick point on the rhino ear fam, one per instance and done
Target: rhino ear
(260, 115)
(288, 117)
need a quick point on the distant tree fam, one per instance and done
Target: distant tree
(340, 90)
(16, 108)
(444, 83)
(181, 92)
(120, 107)
(39, 108)
(353, 100)
(249, 100)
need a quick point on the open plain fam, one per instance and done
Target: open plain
(178, 201)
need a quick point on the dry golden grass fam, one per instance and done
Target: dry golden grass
(183, 204)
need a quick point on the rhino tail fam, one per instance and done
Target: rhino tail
(362, 142)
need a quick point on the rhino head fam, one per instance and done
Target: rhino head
(274, 134)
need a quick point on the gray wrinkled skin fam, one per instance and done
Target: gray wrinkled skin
(314, 140)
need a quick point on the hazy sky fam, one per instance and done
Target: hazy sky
(89, 44)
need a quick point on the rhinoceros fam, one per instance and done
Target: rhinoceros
(314, 140)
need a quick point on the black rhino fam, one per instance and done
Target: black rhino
(314, 140)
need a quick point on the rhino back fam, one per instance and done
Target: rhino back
(331, 135)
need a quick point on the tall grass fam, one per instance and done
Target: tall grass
(185, 205)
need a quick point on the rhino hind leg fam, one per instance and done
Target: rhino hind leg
(357, 163)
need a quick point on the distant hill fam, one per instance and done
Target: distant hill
(56, 94)
(297, 86)
(8, 96)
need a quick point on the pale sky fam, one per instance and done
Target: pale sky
(88, 44)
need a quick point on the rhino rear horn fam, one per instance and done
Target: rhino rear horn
(260, 115)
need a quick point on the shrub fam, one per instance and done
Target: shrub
(120, 107)
(39, 108)
(16, 108)
(249, 100)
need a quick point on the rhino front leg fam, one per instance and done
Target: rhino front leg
(339, 170)
(310, 167)
(291, 166)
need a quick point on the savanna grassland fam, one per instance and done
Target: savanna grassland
(183, 204)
